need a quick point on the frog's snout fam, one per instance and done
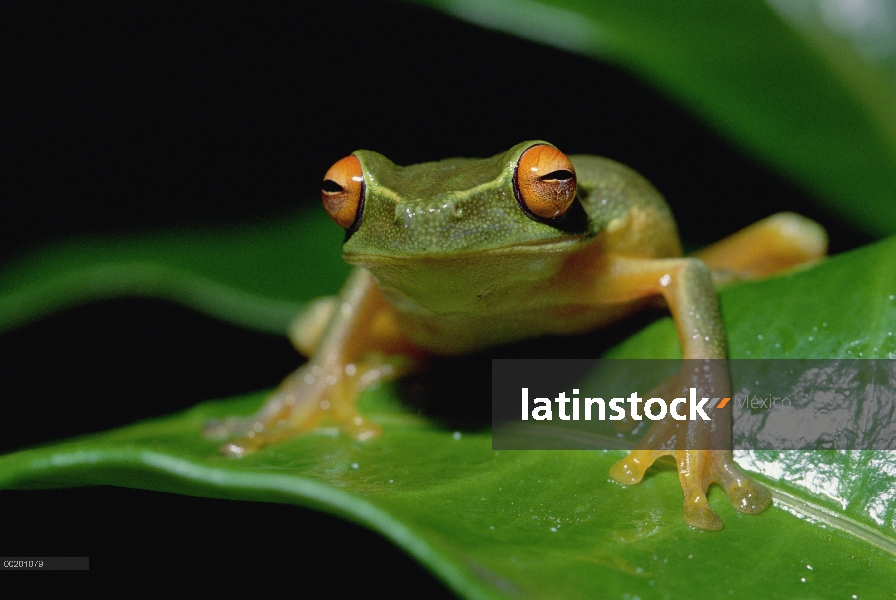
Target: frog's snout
(439, 210)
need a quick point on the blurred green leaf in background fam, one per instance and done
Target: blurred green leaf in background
(808, 86)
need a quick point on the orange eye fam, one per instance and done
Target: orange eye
(545, 182)
(343, 191)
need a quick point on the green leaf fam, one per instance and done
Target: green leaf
(245, 275)
(808, 86)
(499, 524)
(490, 524)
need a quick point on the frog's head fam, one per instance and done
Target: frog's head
(433, 227)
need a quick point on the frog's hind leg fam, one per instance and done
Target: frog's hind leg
(776, 243)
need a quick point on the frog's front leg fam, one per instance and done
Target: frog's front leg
(353, 341)
(686, 285)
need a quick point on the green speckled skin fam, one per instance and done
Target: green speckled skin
(467, 267)
(461, 205)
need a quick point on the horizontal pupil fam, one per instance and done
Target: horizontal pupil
(562, 174)
(332, 187)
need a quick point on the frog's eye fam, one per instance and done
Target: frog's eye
(544, 182)
(343, 192)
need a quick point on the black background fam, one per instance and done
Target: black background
(136, 117)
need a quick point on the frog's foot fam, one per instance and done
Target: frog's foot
(697, 469)
(309, 395)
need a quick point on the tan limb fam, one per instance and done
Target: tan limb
(774, 244)
(307, 328)
(777, 243)
(686, 286)
(358, 345)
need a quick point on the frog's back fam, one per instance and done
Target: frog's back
(632, 214)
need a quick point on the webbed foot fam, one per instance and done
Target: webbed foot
(697, 469)
(310, 395)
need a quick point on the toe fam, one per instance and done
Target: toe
(697, 513)
(630, 470)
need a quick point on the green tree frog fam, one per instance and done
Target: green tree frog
(461, 254)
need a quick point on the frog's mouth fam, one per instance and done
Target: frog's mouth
(472, 255)
(471, 282)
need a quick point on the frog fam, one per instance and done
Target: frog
(457, 255)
